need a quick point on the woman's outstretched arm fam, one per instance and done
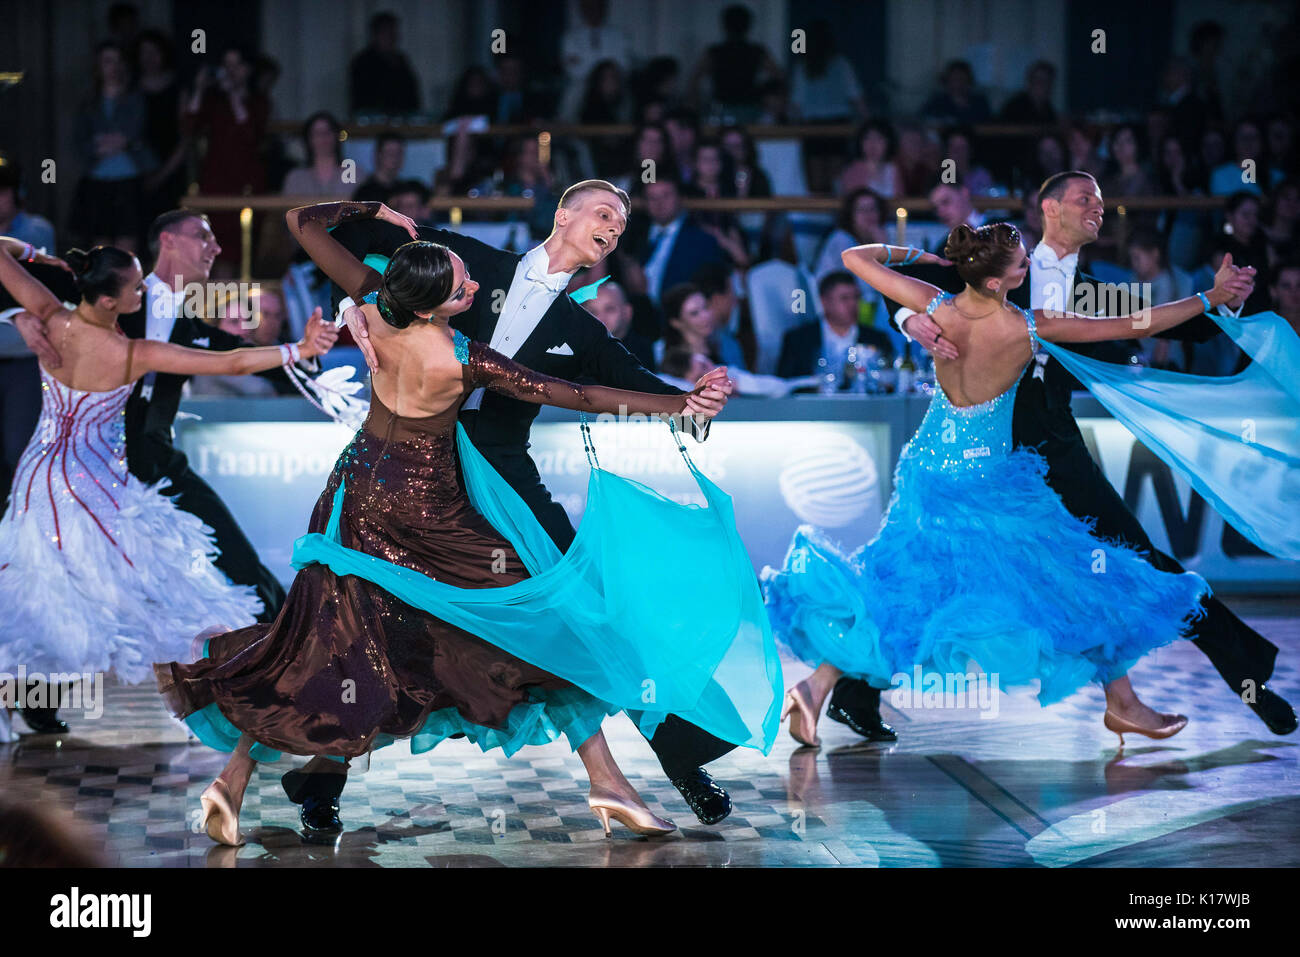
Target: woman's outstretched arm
(310, 225)
(148, 355)
(492, 370)
(1230, 282)
(869, 263)
(28, 291)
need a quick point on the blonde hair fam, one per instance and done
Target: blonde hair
(570, 197)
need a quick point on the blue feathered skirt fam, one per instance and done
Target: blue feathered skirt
(989, 569)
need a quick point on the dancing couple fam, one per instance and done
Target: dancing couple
(99, 571)
(184, 248)
(525, 315)
(430, 601)
(1072, 210)
(978, 558)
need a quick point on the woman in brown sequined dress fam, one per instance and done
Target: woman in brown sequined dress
(347, 666)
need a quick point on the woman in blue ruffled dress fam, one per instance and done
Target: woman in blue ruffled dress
(429, 602)
(977, 559)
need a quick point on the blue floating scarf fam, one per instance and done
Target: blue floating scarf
(1236, 439)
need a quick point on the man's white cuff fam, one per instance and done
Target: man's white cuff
(344, 306)
(904, 313)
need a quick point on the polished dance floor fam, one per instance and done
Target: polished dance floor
(1025, 788)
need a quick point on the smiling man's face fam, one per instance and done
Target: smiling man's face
(1077, 216)
(593, 224)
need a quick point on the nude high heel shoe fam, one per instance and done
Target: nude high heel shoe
(220, 820)
(800, 713)
(634, 817)
(1173, 723)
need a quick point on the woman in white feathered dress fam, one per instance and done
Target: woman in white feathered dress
(99, 573)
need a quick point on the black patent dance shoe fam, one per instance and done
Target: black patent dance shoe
(43, 720)
(299, 785)
(870, 726)
(706, 798)
(320, 816)
(1274, 710)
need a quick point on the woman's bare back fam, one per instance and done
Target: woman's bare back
(418, 374)
(992, 352)
(93, 359)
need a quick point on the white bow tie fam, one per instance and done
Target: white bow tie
(1045, 258)
(554, 282)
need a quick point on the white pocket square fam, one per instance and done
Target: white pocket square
(561, 350)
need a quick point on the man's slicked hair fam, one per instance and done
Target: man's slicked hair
(571, 195)
(1054, 186)
(167, 223)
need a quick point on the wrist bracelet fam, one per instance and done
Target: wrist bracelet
(1205, 301)
(29, 253)
(909, 257)
(290, 354)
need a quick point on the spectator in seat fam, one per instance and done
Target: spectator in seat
(1284, 290)
(957, 103)
(735, 68)
(382, 81)
(474, 95)
(1127, 172)
(611, 306)
(110, 133)
(1249, 169)
(958, 145)
(680, 364)
(390, 157)
(1146, 257)
(1033, 104)
(587, 43)
(666, 242)
(874, 167)
(409, 197)
(694, 327)
(231, 115)
(1283, 229)
(323, 176)
(750, 179)
(832, 336)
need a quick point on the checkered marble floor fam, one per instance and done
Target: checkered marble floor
(1024, 787)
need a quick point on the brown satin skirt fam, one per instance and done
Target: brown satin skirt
(345, 661)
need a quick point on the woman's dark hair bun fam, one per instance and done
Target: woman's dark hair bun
(418, 279)
(982, 253)
(78, 259)
(99, 271)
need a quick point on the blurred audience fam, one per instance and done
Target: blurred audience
(666, 241)
(734, 69)
(15, 221)
(323, 175)
(824, 344)
(111, 140)
(381, 81)
(389, 158)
